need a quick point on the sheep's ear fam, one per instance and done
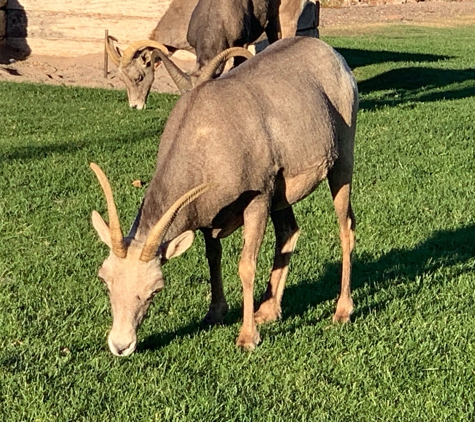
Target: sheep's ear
(147, 59)
(177, 246)
(156, 60)
(102, 228)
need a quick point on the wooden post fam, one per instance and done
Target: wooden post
(106, 56)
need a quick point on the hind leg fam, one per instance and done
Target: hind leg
(218, 307)
(340, 185)
(286, 233)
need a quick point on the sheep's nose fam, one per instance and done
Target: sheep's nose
(138, 106)
(122, 349)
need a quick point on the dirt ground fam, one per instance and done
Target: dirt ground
(88, 70)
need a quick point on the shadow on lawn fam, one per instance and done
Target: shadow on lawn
(358, 58)
(38, 152)
(421, 84)
(408, 84)
(442, 249)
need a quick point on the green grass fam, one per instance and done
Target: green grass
(408, 355)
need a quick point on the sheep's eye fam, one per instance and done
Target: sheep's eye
(138, 79)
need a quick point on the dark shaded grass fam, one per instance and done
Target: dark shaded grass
(395, 76)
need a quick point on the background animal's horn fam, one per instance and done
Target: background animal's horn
(132, 49)
(158, 232)
(117, 239)
(112, 51)
(209, 70)
(181, 79)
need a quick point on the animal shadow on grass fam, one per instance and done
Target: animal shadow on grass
(38, 152)
(421, 84)
(407, 84)
(442, 249)
(358, 58)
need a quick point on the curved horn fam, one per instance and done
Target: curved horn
(158, 232)
(117, 239)
(112, 51)
(181, 79)
(209, 70)
(132, 49)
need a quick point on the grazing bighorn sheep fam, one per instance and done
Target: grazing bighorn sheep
(136, 68)
(234, 151)
(139, 61)
(137, 65)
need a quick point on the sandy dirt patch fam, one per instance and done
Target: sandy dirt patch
(88, 71)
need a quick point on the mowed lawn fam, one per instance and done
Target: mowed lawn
(409, 353)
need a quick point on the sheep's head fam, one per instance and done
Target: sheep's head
(132, 271)
(136, 67)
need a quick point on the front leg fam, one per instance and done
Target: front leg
(255, 219)
(218, 307)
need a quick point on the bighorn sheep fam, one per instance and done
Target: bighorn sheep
(216, 25)
(136, 66)
(235, 150)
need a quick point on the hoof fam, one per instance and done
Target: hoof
(342, 318)
(268, 312)
(249, 341)
(344, 309)
(215, 314)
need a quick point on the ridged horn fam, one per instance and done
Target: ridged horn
(117, 239)
(209, 70)
(111, 50)
(158, 232)
(132, 49)
(181, 79)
